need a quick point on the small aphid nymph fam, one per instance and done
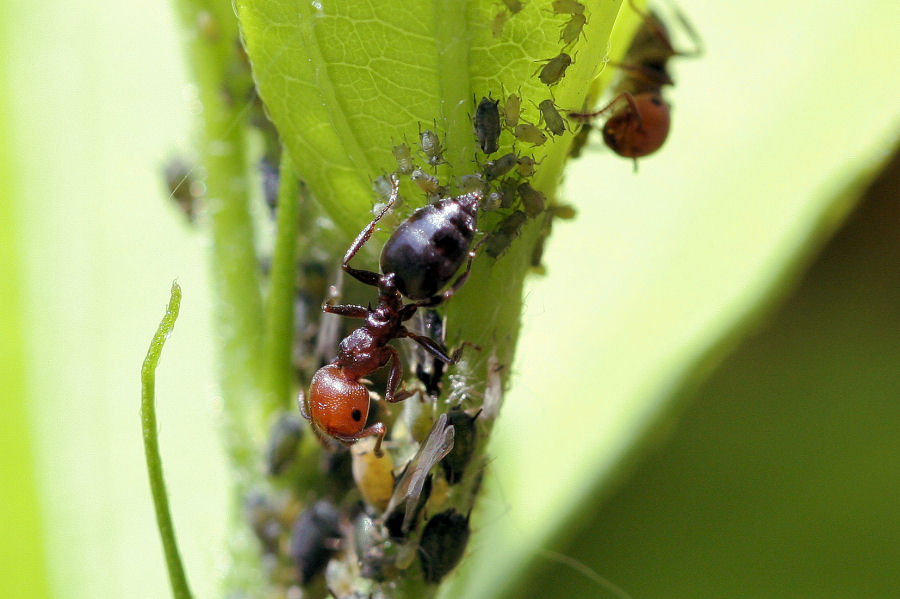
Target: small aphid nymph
(555, 69)
(528, 133)
(552, 119)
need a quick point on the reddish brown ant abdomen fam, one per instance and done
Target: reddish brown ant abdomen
(338, 405)
(640, 130)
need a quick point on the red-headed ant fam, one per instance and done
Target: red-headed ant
(421, 257)
(638, 122)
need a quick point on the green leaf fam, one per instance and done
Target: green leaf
(345, 81)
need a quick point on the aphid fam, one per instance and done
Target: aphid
(374, 475)
(528, 133)
(430, 370)
(470, 183)
(555, 69)
(499, 240)
(525, 166)
(421, 258)
(513, 6)
(376, 556)
(533, 201)
(512, 109)
(403, 156)
(443, 543)
(497, 168)
(567, 7)
(431, 146)
(508, 192)
(263, 516)
(487, 125)
(183, 187)
(499, 23)
(580, 140)
(281, 447)
(271, 181)
(552, 119)
(314, 539)
(409, 488)
(455, 462)
(429, 184)
(639, 118)
(573, 29)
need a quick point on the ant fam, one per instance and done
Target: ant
(420, 258)
(639, 121)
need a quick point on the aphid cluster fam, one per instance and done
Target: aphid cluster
(638, 119)
(505, 178)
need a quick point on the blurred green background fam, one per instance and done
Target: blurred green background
(774, 478)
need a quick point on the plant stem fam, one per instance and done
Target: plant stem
(279, 316)
(177, 578)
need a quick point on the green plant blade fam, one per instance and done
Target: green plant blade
(177, 578)
(345, 81)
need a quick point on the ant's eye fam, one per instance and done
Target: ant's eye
(356, 415)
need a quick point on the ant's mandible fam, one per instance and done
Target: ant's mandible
(420, 258)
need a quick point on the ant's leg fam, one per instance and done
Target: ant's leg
(588, 116)
(395, 378)
(646, 73)
(376, 430)
(366, 276)
(432, 347)
(348, 310)
(698, 49)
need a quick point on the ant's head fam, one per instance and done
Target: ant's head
(337, 405)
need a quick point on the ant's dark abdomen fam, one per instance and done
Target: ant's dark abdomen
(428, 248)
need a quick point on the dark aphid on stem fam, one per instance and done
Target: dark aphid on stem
(639, 119)
(183, 187)
(512, 109)
(455, 462)
(580, 140)
(573, 29)
(530, 134)
(442, 545)
(508, 192)
(500, 239)
(551, 73)
(497, 168)
(567, 7)
(533, 201)
(487, 125)
(430, 370)
(281, 446)
(414, 485)
(271, 181)
(403, 156)
(430, 144)
(264, 518)
(552, 119)
(314, 539)
(422, 257)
